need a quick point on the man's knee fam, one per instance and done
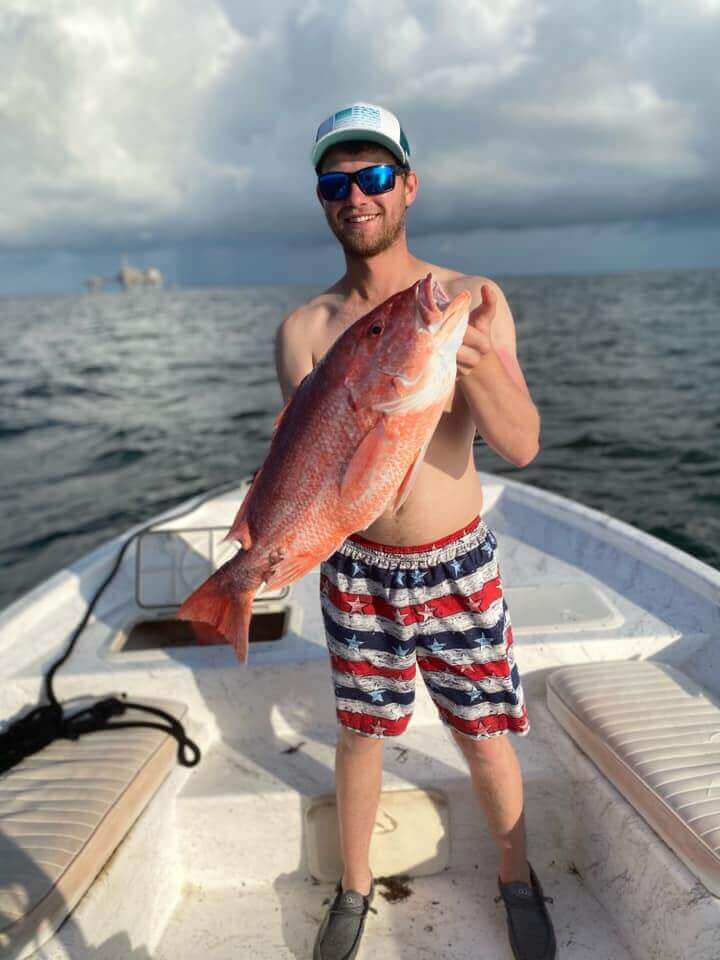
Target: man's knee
(357, 742)
(484, 749)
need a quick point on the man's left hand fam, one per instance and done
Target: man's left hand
(476, 342)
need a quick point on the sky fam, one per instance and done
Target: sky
(549, 136)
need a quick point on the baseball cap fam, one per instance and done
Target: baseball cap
(362, 121)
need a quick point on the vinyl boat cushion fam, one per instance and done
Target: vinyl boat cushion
(63, 811)
(655, 734)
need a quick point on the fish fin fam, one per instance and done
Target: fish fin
(369, 458)
(281, 416)
(410, 478)
(216, 602)
(278, 419)
(289, 570)
(239, 531)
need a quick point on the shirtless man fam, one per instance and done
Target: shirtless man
(490, 397)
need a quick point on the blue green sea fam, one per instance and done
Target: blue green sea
(115, 406)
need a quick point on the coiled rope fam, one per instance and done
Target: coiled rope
(47, 722)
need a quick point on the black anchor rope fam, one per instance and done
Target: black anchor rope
(47, 722)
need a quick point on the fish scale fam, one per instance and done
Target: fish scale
(346, 447)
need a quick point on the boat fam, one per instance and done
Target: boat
(130, 277)
(110, 847)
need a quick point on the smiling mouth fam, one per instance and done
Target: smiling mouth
(362, 218)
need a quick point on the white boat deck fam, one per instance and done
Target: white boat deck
(274, 909)
(217, 864)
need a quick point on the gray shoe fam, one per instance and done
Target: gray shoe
(529, 925)
(342, 927)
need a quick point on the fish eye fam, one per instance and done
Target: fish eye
(376, 328)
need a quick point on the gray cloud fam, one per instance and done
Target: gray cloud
(149, 124)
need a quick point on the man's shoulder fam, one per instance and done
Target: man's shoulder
(316, 309)
(306, 317)
(456, 280)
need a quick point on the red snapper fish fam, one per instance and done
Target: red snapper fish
(346, 447)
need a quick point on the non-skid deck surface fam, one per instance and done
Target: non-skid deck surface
(451, 915)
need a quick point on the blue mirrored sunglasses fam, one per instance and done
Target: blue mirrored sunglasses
(380, 178)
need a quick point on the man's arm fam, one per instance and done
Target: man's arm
(293, 354)
(495, 388)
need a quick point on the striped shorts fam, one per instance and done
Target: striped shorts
(440, 605)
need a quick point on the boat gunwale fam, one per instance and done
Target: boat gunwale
(694, 574)
(660, 554)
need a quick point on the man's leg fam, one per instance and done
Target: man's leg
(358, 780)
(497, 780)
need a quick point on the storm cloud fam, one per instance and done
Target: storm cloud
(159, 123)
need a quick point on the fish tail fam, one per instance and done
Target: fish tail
(218, 602)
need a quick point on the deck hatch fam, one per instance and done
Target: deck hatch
(561, 607)
(411, 835)
(268, 623)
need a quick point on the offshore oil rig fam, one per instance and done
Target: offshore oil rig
(128, 277)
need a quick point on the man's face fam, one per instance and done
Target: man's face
(367, 225)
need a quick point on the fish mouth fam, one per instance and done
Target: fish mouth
(447, 330)
(454, 316)
(437, 314)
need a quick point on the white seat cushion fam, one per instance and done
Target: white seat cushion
(63, 811)
(655, 734)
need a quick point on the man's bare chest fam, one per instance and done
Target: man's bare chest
(326, 330)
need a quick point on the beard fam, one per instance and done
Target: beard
(361, 246)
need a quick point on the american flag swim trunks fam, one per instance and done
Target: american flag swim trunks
(439, 605)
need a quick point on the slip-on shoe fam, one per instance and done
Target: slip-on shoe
(529, 925)
(342, 927)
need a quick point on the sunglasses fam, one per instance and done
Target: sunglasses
(380, 178)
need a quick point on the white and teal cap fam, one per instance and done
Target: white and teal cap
(362, 121)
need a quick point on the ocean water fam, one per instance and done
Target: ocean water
(116, 406)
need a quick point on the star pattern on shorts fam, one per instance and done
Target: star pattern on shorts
(378, 729)
(483, 640)
(436, 646)
(475, 605)
(356, 606)
(418, 577)
(325, 587)
(456, 565)
(399, 578)
(426, 611)
(376, 695)
(474, 694)
(354, 643)
(401, 651)
(487, 549)
(358, 569)
(400, 617)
